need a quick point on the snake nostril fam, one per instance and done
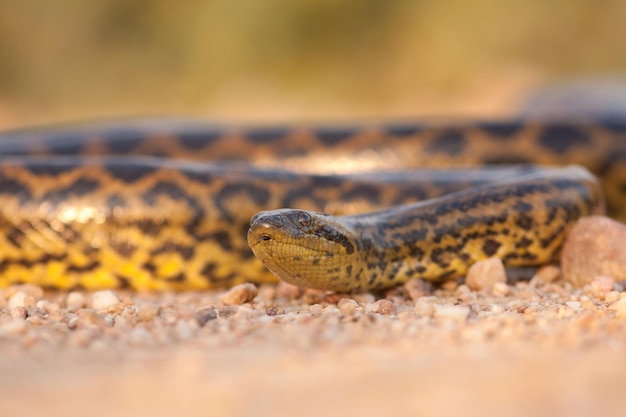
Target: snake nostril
(265, 237)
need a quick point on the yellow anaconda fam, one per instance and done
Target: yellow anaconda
(166, 204)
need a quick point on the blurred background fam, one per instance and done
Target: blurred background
(286, 60)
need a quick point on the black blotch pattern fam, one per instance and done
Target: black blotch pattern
(259, 196)
(66, 143)
(449, 142)
(12, 187)
(560, 139)
(362, 191)
(51, 168)
(524, 222)
(123, 141)
(523, 243)
(331, 136)
(490, 247)
(84, 268)
(306, 193)
(123, 247)
(80, 188)
(198, 140)
(267, 135)
(502, 130)
(403, 130)
(129, 172)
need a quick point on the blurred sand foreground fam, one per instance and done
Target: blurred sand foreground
(526, 349)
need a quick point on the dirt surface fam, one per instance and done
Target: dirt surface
(529, 348)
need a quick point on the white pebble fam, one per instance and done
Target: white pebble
(619, 307)
(574, 305)
(102, 300)
(347, 306)
(485, 274)
(21, 299)
(75, 300)
(449, 312)
(239, 294)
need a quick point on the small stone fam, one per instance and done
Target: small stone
(103, 300)
(90, 318)
(28, 289)
(274, 310)
(205, 315)
(316, 309)
(75, 300)
(501, 288)
(453, 313)
(239, 294)
(148, 311)
(347, 306)
(548, 273)
(21, 299)
(612, 296)
(601, 286)
(485, 274)
(574, 305)
(384, 307)
(619, 307)
(19, 312)
(594, 247)
(416, 288)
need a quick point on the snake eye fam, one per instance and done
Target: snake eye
(304, 219)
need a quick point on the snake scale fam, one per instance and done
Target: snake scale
(166, 204)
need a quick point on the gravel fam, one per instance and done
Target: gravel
(540, 347)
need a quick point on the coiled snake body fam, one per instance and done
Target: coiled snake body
(166, 204)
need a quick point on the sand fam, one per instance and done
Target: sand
(529, 348)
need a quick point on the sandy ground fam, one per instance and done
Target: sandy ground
(530, 348)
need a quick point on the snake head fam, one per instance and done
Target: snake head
(304, 248)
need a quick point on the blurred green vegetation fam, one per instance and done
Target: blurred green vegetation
(284, 59)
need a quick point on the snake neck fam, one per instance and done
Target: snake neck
(522, 223)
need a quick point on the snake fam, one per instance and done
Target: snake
(166, 204)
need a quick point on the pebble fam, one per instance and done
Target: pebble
(90, 318)
(239, 294)
(347, 306)
(416, 288)
(619, 307)
(594, 247)
(148, 311)
(19, 312)
(501, 288)
(384, 307)
(274, 310)
(75, 300)
(21, 299)
(548, 273)
(485, 274)
(28, 289)
(601, 286)
(452, 313)
(103, 300)
(205, 315)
